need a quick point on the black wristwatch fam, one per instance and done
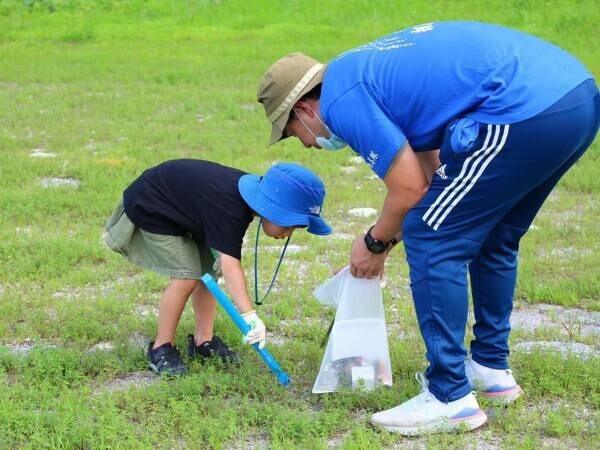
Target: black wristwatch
(375, 245)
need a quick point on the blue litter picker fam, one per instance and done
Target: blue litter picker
(237, 318)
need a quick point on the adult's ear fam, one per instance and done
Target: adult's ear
(308, 106)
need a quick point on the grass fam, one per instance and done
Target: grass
(111, 88)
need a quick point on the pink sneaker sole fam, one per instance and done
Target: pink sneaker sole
(475, 418)
(507, 396)
(442, 426)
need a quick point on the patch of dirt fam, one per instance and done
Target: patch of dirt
(337, 441)
(565, 253)
(23, 230)
(49, 182)
(146, 310)
(553, 443)
(276, 339)
(570, 218)
(40, 153)
(415, 443)
(101, 346)
(570, 321)
(138, 340)
(122, 383)
(362, 212)
(475, 440)
(52, 313)
(94, 291)
(291, 249)
(23, 348)
(297, 265)
(250, 442)
(348, 169)
(586, 414)
(563, 348)
(342, 236)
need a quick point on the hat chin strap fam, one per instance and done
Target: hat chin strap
(256, 266)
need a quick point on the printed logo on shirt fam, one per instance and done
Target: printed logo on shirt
(389, 43)
(316, 209)
(442, 172)
(372, 159)
(424, 28)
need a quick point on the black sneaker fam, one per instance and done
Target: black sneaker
(165, 360)
(209, 349)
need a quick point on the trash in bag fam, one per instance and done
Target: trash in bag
(357, 354)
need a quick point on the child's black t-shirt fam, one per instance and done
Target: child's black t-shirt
(188, 196)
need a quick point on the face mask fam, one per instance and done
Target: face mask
(333, 142)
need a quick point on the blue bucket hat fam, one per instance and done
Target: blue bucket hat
(287, 195)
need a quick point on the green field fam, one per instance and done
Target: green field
(97, 91)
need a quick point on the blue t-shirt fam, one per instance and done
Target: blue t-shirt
(410, 84)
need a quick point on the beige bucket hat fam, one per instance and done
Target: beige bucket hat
(284, 84)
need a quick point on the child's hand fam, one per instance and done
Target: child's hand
(258, 331)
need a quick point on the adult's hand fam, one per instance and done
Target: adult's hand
(406, 184)
(363, 263)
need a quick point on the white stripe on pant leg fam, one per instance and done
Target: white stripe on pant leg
(474, 180)
(449, 190)
(482, 155)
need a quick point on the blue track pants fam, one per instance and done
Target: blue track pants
(482, 200)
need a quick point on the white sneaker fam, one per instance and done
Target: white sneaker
(425, 414)
(497, 385)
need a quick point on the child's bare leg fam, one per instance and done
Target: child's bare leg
(205, 310)
(172, 303)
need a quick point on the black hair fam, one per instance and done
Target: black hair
(313, 94)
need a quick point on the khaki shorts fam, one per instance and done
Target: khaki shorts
(174, 256)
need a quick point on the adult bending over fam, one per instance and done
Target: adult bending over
(470, 126)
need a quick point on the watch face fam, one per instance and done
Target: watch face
(376, 247)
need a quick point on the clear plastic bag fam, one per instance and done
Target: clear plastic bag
(357, 354)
